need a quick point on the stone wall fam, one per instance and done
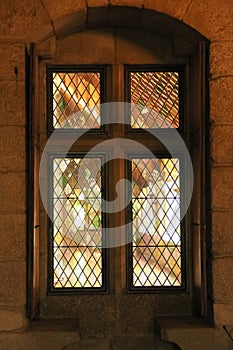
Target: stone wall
(44, 22)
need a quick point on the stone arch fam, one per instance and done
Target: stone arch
(130, 17)
(184, 38)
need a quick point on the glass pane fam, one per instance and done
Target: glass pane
(156, 247)
(76, 100)
(156, 99)
(77, 222)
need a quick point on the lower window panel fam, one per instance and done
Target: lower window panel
(155, 254)
(77, 260)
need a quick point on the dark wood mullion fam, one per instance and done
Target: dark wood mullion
(32, 185)
(118, 218)
(198, 121)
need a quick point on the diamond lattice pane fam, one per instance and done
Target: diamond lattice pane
(77, 222)
(155, 99)
(76, 100)
(156, 234)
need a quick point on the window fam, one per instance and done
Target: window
(156, 251)
(74, 97)
(156, 98)
(78, 259)
(177, 69)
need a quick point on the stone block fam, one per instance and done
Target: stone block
(169, 7)
(199, 338)
(97, 17)
(222, 144)
(97, 314)
(221, 57)
(138, 47)
(12, 148)
(222, 191)
(13, 283)
(38, 340)
(97, 3)
(124, 17)
(164, 25)
(211, 19)
(12, 55)
(89, 344)
(223, 313)
(223, 279)
(135, 308)
(13, 192)
(11, 320)
(58, 9)
(89, 47)
(222, 233)
(12, 106)
(41, 37)
(221, 92)
(69, 24)
(135, 343)
(19, 20)
(127, 3)
(12, 236)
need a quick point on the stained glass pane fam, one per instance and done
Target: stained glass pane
(155, 99)
(156, 232)
(76, 100)
(77, 222)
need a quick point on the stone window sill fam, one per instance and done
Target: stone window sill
(54, 325)
(180, 329)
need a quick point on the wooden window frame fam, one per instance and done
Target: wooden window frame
(200, 227)
(51, 290)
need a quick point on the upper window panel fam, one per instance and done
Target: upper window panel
(155, 96)
(74, 98)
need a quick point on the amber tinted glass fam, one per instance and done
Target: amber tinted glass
(76, 100)
(77, 223)
(155, 99)
(156, 231)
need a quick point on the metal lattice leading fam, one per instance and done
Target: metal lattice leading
(156, 99)
(77, 222)
(156, 247)
(76, 100)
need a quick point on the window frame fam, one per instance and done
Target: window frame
(136, 134)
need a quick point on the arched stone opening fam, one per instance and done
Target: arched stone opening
(177, 43)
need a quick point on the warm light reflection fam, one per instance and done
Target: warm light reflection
(77, 222)
(155, 99)
(156, 248)
(76, 100)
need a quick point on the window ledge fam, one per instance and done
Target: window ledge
(173, 328)
(54, 325)
(192, 333)
(43, 334)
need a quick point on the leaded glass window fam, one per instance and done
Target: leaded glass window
(74, 97)
(156, 97)
(155, 252)
(77, 254)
